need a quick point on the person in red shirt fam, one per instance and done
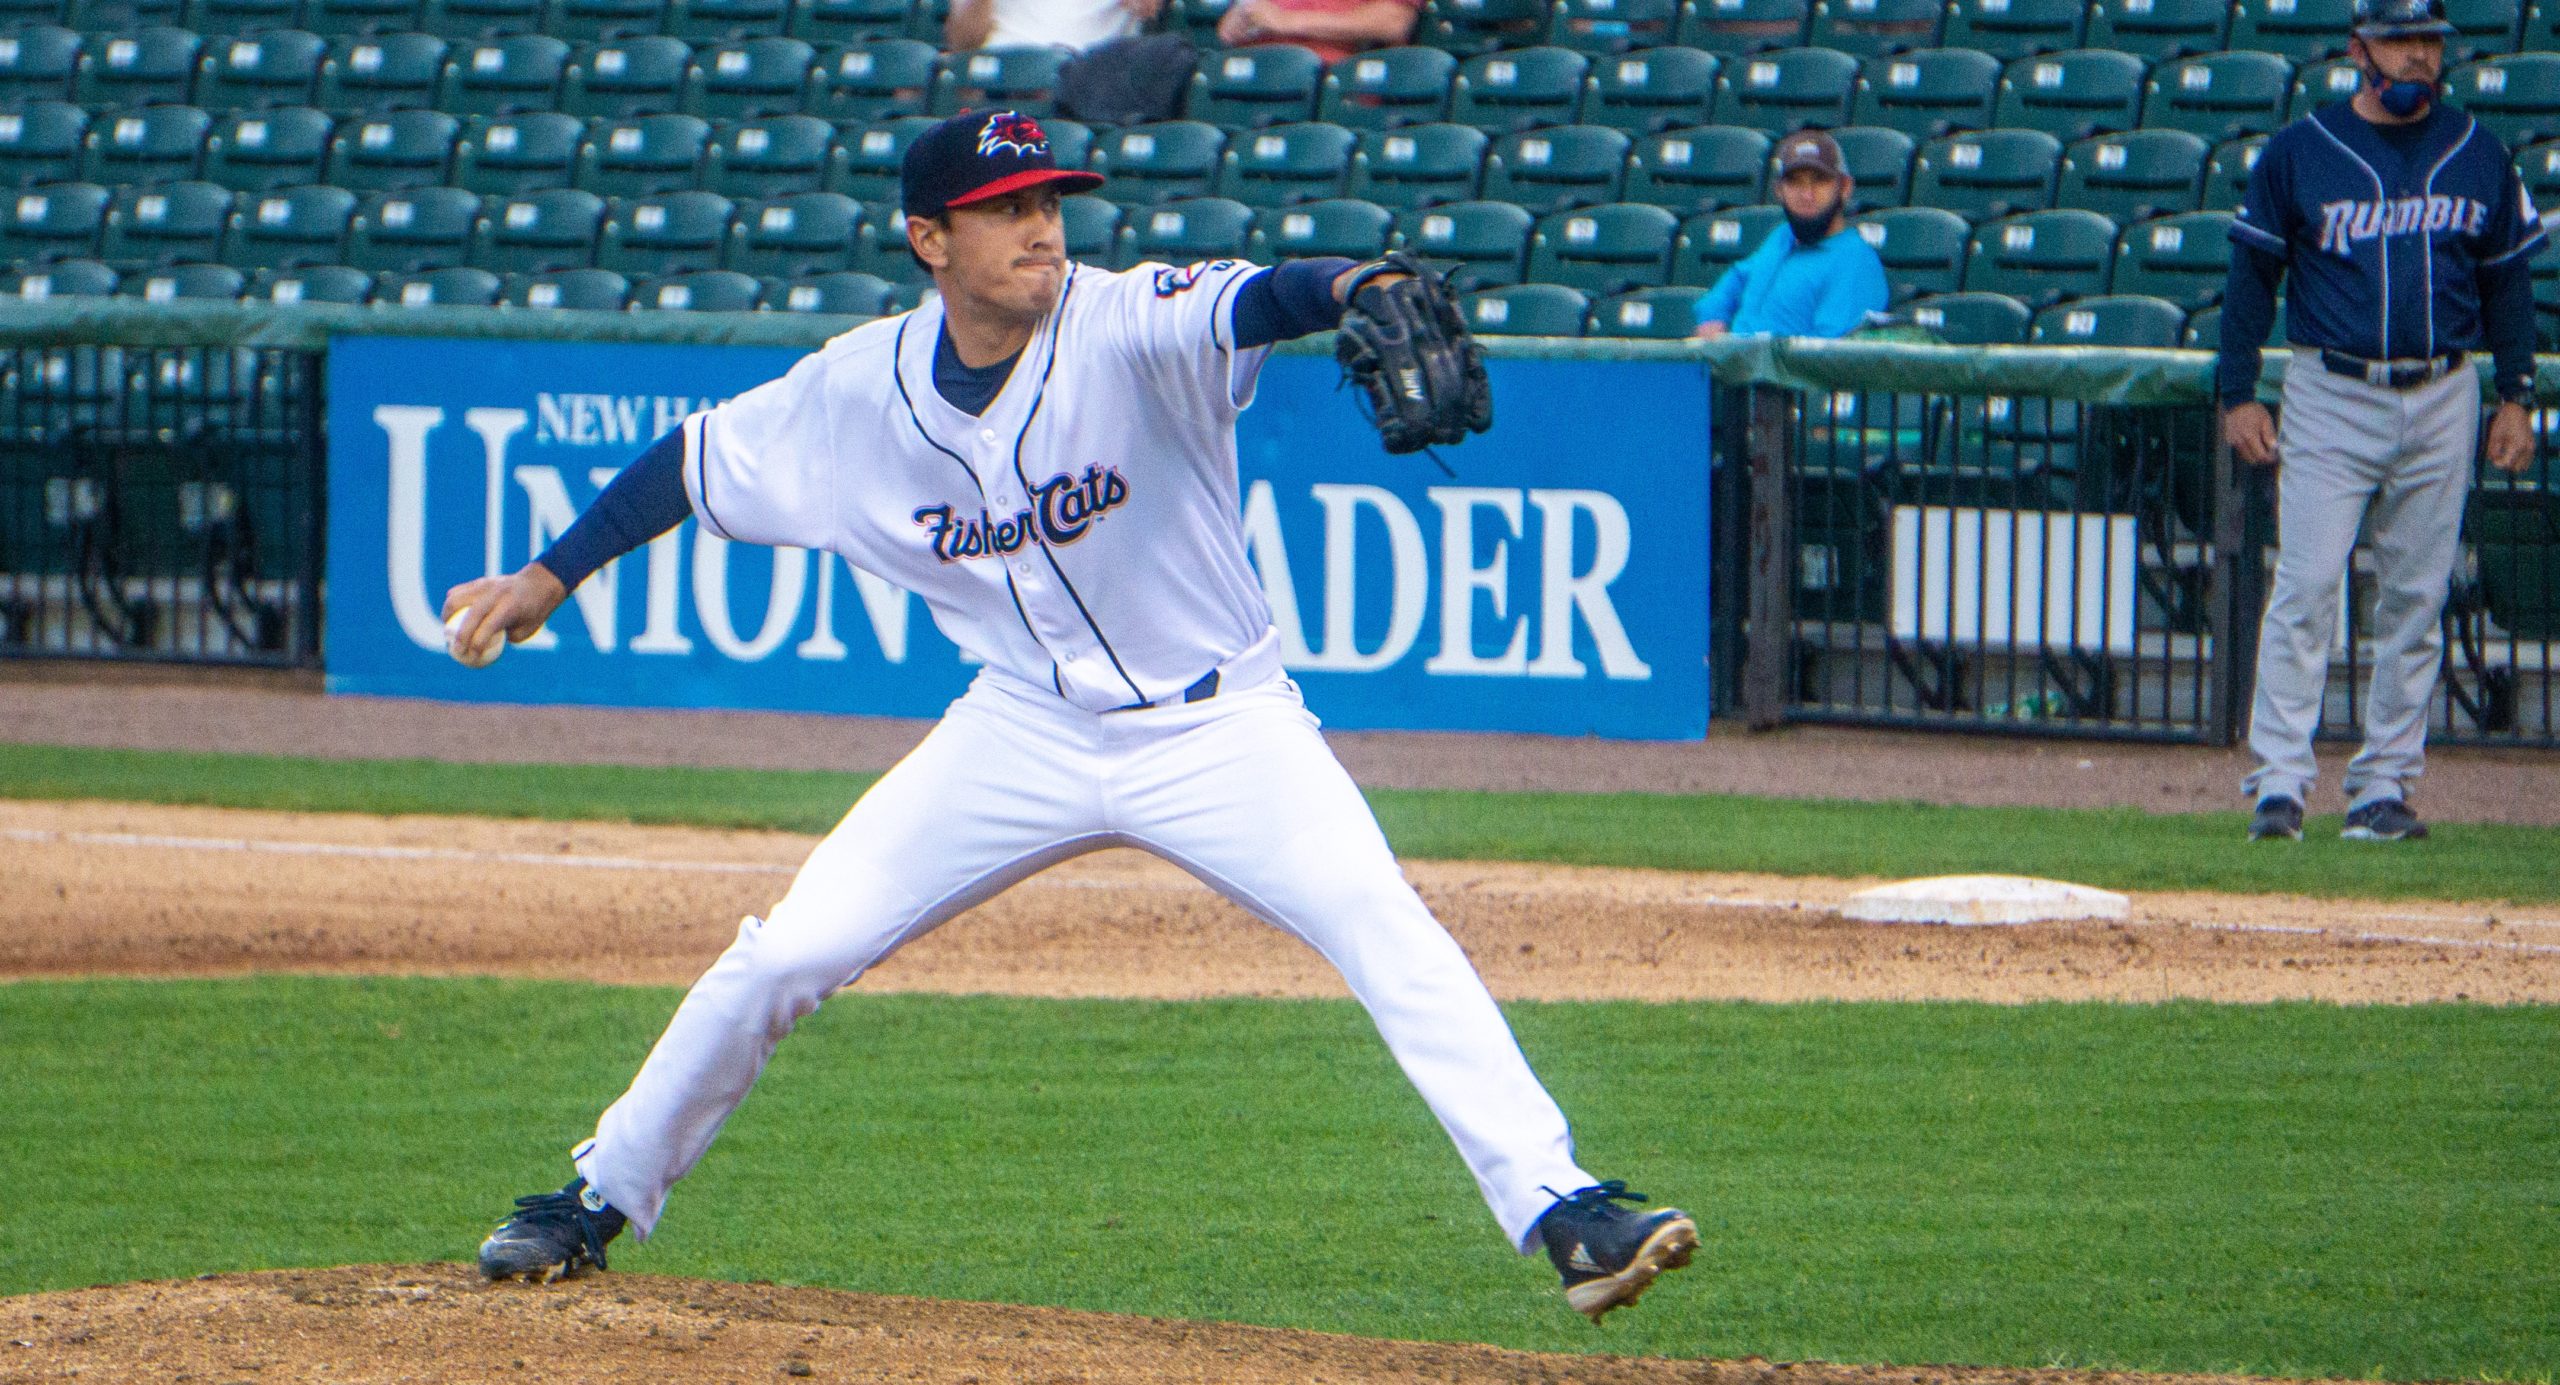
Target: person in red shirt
(1333, 29)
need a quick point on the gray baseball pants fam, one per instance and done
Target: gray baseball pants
(2346, 447)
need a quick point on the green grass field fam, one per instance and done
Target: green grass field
(2119, 848)
(2294, 1189)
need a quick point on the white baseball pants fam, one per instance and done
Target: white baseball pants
(1239, 790)
(2346, 447)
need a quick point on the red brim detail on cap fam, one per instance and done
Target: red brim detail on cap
(1076, 179)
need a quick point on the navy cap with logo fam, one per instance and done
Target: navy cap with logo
(976, 155)
(2400, 19)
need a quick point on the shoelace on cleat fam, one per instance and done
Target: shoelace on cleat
(1595, 1200)
(551, 1209)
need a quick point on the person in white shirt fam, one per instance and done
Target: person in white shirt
(1075, 24)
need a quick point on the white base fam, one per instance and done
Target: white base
(1983, 899)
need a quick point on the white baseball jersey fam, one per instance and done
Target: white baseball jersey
(1081, 536)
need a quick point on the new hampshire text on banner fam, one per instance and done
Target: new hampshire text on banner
(1556, 583)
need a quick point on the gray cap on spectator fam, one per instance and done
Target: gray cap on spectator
(1810, 149)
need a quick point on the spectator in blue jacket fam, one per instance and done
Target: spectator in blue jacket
(1812, 277)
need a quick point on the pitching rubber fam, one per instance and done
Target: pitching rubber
(1668, 1248)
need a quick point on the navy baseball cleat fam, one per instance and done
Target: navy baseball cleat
(1609, 1255)
(2384, 820)
(551, 1235)
(2277, 818)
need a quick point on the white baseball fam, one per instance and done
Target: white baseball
(490, 648)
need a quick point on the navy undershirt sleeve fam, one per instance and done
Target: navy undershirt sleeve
(2506, 322)
(2248, 314)
(1291, 301)
(646, 500)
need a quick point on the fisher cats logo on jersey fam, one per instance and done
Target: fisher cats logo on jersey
(1062, 510)
(1011, 132)
(2345, 222)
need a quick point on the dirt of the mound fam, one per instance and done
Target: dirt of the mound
(108, 888)
(379, 1324)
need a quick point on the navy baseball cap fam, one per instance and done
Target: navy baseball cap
(2400, 19)
(976, 155)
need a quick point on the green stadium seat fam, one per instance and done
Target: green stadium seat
(1972, 319)
(40, 142)
(2133, 175)
(58, 221)
(1284, 164)
(535, 232)
(100, 16)
(38, 62)
(1418, 165)
(34, 11)
(412, 231)
(2226, 174)
(332, 19)
(2513, 527)
(2482, 28)
(502, 76)
(882, 250)
(58, 279)
(2185, 259)
(1702, 169)
(394, 150)
(1710, 242)
(701, 291)
(2007, 29)
(2300, 30)
(1878, 159)
(1160, 161)
(1553, 169)
(722, 21)
(2539, 163)
(311, 284)
(2204, 329)
(1020, 79)
(375, 73)
(1387, 87)
(255, 151)
(518, 153)
(290, 228)
(2115, 320)
(827, 22)
(671, 233)
(1923, 248)
(1070, 141)
(1476, 244)
(456, 286)
(220, 19)
(1659, 314)
(1651, 90)
(929, 20)
(650, 154)
(2072, 95)
(1197, 19)
(749, 79)
(1093, 228)
(470, 21)
(626, 77)
(2320, 84)
(585, 290)
(1786, 89)
(1989, 173)
(1343, 226)
(152, 65)
(1526, 310)
(2042, 257)
(2219, 95)
(2156, 29)
(773, 156)
(868, 172)
(1246, 87)
(1929, 92)
(165, 223)
(1185, 231)
(2516, 97)
(280, 67)
(2540, 32)
(1613, 26)
(1872, 28)
(200, 281)
(844, 293)
(794, 236)
(1521, 89)
(155, 144)
(1736, 28)
(589, 21)
(1604, 250)
(1470, 27)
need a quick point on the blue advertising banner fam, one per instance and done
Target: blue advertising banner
(1556, 583)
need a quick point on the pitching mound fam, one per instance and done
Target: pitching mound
(385, 1323)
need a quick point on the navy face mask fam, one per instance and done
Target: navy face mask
(2402, 99)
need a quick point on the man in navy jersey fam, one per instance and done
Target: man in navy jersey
(2407, 238)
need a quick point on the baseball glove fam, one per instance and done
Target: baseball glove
(1404, 344)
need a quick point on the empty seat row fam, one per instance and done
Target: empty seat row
(818, 21)
(1976, 318)
(715, 290)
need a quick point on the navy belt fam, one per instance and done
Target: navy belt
(1201, 691)
(2392, 375)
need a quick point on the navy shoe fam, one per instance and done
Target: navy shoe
(1609, 1255)
(551, 1235)
(2384, 820)
(2277, 818)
